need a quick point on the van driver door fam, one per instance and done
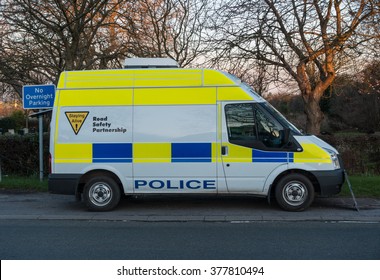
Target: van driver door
(251, 146)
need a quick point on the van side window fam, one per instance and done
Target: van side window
(241, 123)
(250, 126)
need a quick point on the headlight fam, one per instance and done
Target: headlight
(334, 158)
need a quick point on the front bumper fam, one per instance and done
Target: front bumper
(330, 182)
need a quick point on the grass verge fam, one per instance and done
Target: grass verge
(28, 184)
(362, 185)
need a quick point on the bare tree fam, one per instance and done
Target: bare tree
(304, 38)
(43, 38)
(165, 28)
(369, 79)
(256, 74)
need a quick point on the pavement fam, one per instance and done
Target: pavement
(160, 208)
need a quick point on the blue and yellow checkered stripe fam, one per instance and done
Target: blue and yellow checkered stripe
(311, 153)
(138, 152)
(179, 153)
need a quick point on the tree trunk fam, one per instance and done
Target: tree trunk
(314, 115)
(312, 92)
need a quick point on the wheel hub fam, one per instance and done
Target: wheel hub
(100, 194)
(295, 193)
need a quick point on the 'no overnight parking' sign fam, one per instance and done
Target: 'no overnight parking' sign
(38, 96)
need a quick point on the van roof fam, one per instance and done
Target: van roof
(122, 78)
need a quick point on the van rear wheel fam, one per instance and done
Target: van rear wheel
(101, 193)
(294, 192)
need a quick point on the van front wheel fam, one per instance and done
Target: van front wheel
(101, 194)
(294, 192)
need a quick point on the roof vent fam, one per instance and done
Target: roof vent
(136, 63)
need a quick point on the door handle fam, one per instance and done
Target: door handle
(224, 150)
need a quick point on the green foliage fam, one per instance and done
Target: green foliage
(356, 100)
(15, 121)
(19, 119)
(23, 183)
(360, 152)
(362, 186)
(7, 123)
(19, 154)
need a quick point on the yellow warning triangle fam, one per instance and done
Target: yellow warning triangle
(76, 119)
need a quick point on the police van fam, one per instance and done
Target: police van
(154, 128)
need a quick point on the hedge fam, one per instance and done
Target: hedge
(360, 152)
(19, 154)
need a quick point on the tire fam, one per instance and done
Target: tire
(101, 193)
(294, 192)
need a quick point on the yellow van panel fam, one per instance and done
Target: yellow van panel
(215, 78)
(178, 96)
(123, 78)
(152, 152)
(237, 153)
(131, 78)
(73, 153)
(146, 87)
(96, 79)
(215, 152)
(168, 78)
(96, 97)
(312, 154)
(232, 93)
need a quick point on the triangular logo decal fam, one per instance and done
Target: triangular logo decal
(76, 120)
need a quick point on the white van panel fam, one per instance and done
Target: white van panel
(177, 123)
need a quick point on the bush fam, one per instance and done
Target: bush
(15, 121)
(19, 154)
(360, 152)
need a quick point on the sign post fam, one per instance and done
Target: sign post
(39, 97)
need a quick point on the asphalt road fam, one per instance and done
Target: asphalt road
(45, 206)
(68, 239)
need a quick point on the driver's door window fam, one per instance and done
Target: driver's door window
(241, 126)
(269, 131)
(250, 126)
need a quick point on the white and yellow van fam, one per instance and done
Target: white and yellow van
(179, 131)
